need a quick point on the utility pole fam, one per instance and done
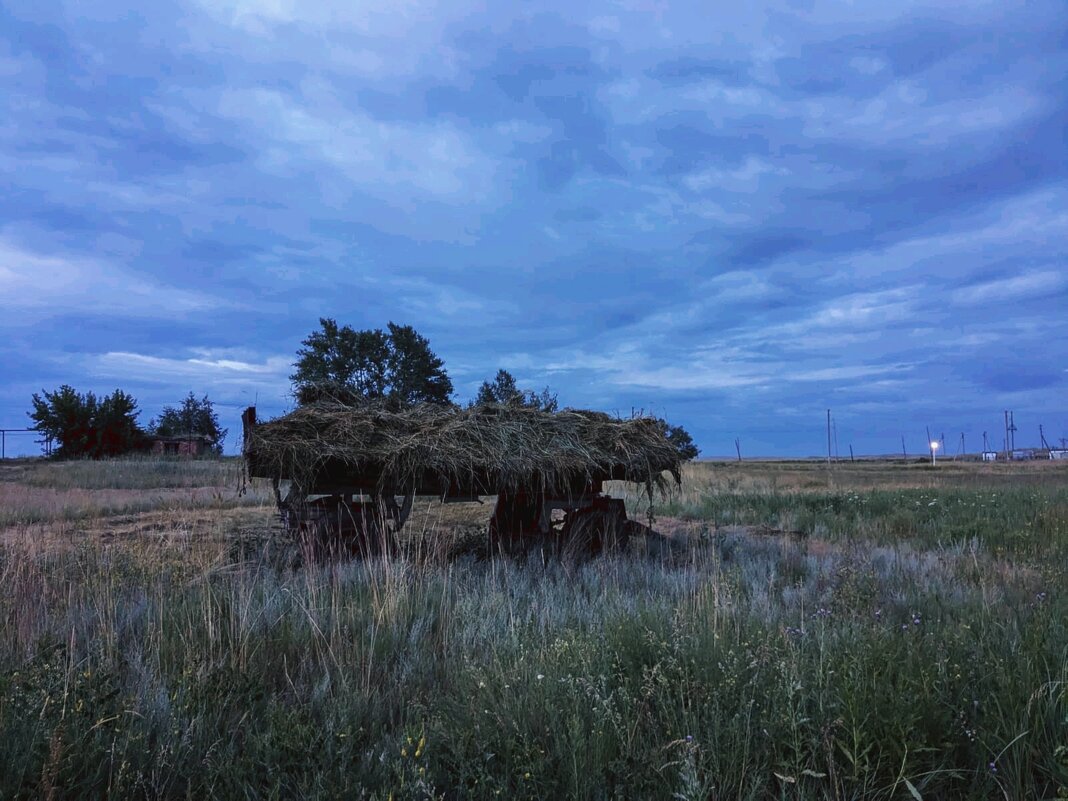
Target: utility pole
(904, 453)
(1010, 434)
(834, 424)
(851, 452)
(738, 447)
(986, 447)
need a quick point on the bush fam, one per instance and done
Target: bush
(85, 426)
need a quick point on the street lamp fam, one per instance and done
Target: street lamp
(934, 452)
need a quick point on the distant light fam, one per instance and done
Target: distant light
(934, 446)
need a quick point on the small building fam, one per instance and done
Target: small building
(990, 456)
(189, 445)
(1058, 453)
(1022, 455)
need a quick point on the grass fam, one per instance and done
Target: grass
(36, 492)
(908, 641)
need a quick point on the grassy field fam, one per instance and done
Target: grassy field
(875, 631)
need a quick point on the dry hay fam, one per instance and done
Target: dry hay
(486, 449)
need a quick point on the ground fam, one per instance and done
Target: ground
(867, 630)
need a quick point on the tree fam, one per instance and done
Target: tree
(340, 363)
(85, 426)
(681, 439)
(503, 390)
(192, 418)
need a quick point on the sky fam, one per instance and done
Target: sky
(732, 215)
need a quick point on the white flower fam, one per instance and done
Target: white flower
(541, 676)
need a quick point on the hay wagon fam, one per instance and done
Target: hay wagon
(348, 476)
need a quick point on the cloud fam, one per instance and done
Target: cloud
(47, 285)
(1031, 284)
(204, 367)
(745, 217)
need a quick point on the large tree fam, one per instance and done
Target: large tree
(681, 439)
(87, 426)
(503, 390)
(193, 417)
(341, 363)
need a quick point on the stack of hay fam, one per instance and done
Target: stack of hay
(487, 449)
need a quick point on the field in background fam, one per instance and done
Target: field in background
(875, 631)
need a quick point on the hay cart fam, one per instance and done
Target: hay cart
(346, 477)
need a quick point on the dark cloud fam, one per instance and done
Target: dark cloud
(1015, 375)
(665, 216)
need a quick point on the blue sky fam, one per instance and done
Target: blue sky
(733, 215)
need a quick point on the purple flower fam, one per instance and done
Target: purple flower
(993, 767)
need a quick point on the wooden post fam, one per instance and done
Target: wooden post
(248, 422)
(828, 437)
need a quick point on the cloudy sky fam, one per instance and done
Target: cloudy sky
(736, 215)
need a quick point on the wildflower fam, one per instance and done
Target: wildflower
(526, 775)
(993, 767)
(689, 738)
(404, 752)
(541, 676)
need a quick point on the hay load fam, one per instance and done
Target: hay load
(533, 460)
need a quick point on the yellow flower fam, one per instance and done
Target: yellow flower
(404, 752)
(526, 775)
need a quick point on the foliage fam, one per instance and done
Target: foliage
(503, 390)
(87, 426)
(681, 439)
(340, 363)
(192, 418)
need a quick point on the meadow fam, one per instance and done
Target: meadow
(871, 631)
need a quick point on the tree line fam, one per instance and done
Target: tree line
(335, 362)
(85, 426)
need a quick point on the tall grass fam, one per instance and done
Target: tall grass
(906, 643)
(752, 667)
